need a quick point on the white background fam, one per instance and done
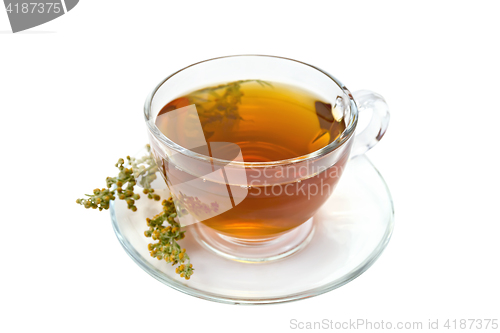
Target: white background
(71, 97)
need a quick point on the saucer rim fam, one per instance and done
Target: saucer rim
(188, 290)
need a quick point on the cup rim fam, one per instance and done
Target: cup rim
(341, 140)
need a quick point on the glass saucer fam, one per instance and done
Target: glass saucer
(350, 232)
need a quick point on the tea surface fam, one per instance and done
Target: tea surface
(268, 122)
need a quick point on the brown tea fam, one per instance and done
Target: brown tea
(268, 122)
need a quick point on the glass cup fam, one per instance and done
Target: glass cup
(254, 211)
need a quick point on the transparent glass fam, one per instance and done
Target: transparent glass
(352, 229)
(273, 200)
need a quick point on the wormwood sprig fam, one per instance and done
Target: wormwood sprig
(122, 186)
(166, 248)
(220, 102)
(143, 170)
(225, 103)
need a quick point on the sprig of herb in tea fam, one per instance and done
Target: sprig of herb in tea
(220, 102)
(122, 186)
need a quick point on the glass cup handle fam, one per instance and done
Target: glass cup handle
(369, 101)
